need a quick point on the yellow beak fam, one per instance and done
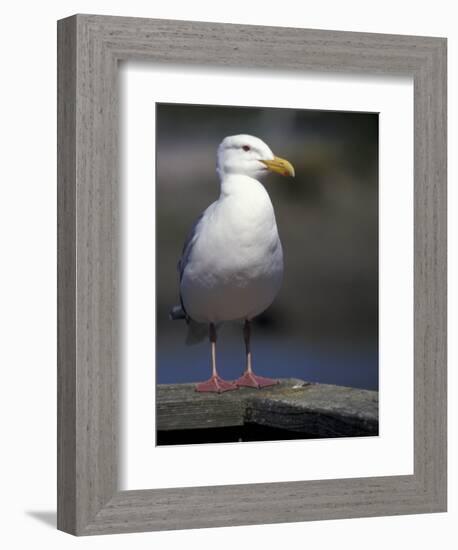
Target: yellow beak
(279, 165)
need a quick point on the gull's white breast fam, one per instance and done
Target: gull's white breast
(234, 266)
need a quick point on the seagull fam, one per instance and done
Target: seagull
(231, 267)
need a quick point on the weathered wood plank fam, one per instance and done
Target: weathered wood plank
(319, 410)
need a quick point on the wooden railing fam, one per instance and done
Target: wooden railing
(300, 409)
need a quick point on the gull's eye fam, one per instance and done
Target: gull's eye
(246, 147)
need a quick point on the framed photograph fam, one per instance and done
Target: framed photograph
(251, 249)
(304, 306)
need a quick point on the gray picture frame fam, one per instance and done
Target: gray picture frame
(89, 49)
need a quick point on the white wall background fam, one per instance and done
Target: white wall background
(28, 273)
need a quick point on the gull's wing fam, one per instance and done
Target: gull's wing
(192, 238)
(196, 331)
(179, 312)
(189, 244)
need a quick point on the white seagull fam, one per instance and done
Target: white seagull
(231, 267)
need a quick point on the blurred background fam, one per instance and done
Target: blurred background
(323, 325)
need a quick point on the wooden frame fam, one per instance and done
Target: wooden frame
(89, 48)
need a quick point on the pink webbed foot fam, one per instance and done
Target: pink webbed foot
(251, 380)
(215, 384)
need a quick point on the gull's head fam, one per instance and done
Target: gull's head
(249, 156)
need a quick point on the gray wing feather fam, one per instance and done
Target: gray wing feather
(186, 253)
(196, 331)
(188, 246)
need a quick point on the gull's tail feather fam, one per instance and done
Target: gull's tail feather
(196, 331)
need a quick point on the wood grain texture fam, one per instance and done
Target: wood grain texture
(66, 276)
(318, 410)
(90, 48)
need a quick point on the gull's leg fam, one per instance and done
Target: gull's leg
(249, 379)
(215, 383)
